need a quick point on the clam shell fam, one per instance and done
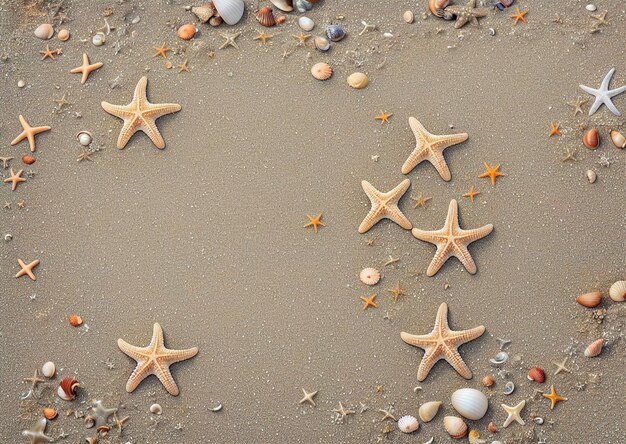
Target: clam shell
(591, 139)
(305, 23)
(63, 35)
(536, 374)
(48, 369)
(203, 12)
(591, 176)
(358, 80)
(369, 276)
(509, 388)
(428, 410)
(335, 32)
(408, 16)
(595, 348)
(408, 424)
(84, 138)
(231, 11)
(618, 139)
(283, 5)
(50, 413)
(500, 358)
(321, 71)
(265, 17)
(470, 403)
(187, 32)
(304, 5)
(44, 31)
(321, 43)
(67, 388)
(455, 426)
(618, 291)
(590, 300)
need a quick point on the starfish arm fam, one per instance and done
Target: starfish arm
(611, 106)
(372, 218)
(480, 12)
(596, 104)
(589, 90)
(372, 193)
(607, 79)
(465, 336)
(430, 358)
(419, 153)
(129, 128)
(460, 22)
(180, 355)
(76, 70)
(441, 321)
(149, 127)
(453, 358)
(477, 233)
(157, 337)
(439, 162)
(421, 341)
(137, 353)
(463, 255)
(165, 376)
(396, 215)
(19, 138)
(616, 91)
(441, 257)
(433, 237)
(161, 109)
(141, 89)
(120, 111)
(454, 9)
(141, 371)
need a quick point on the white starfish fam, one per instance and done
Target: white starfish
(37, 434)
(604, 94)
(513, 413)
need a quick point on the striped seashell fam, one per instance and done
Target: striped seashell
(231, 11)
(265, 17)
(67, 388)
(455, 427)
(358, 80)
(437, 8)
(470, 403)
(321, 71)
(408, 424)
(536, 374)
(595, 348)
(335, 32)
(428, 410)
(590, 300)
(369, 276)
(618, 291)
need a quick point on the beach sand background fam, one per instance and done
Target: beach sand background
(206, 237)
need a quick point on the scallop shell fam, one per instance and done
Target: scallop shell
(358, 80)
(455, 426)
(428, 410)
(63, 35)
(618, 291)
(305, 23)
(50, 413)
(75, 320)
(369, 276)
(488, 381)
(187, 32)
(408, 424)
(470, 403)
(321, 71)
(321, 43)
(67, 388)
(203, 12)
(44, 31)
(156, 409)
(591, 176)
(590, 300)
(48, 369)
(509, 388)
(408, 16)
(500, 358)
(230, 10)
(591, 139)
(335, 32)
(265, 17)
(536, 374)
(595, 348)
(283, 5)
(618, 139)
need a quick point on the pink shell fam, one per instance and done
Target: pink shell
(369, 276)
(594, 348)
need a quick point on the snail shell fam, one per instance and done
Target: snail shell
(500, 358)
(509, 388)
(428, 410)
(618, 139)
(590, 300)
(618, 291)
(595, 348)
(408, 17)
(408, 424)
(67, 388)
(437, 8)
(455, 427)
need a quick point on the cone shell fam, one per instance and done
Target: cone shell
(204, 12)
(265, 17)
(408, 424)
(618, 291)
(187, 32)
(470, 403)
(75, 320)
(455, 427)
(321, 71)
(63, 35)
(230, 10)
(44, 31)
(618, 139)
(358, 80)
(369, 276)
(595, 348)
(48, 369)
(536, 374)
(67, 388)
(428, 410)
(50, 413)
(590, 300)
(591, 139)
(488, 381)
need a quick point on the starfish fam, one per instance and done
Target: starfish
(396, 292)
(183, 67)
(21, 204)
(577, 105)
(343, 412)
(154, 359)
(600, 19)
(385, 206)
(570, 154)
(553, 397)
(466, 13)
(85, 155)
(101, 414)
(27, 269)
(369, 302)
(48, 53)
(301, 38)
(314, 222)
(430, 147)
(392, 260)
(561, 367)
(452, 240)
(442, 343)
(420, 201)
(15, 178)
(263, 37)
(230, 39)
(492, 173)
(5, 161)
(554, 129)
(519, 16)
(37, 433)
(62, 102)
(604, 95)
(28, 132)
(387, 415)
(119, 423)
(383, 117)
(33, 382)
(513, 413)
(471, 194)
(367, 27)
(86, 68)
(161, 51)
(140, 115)
(308, 397)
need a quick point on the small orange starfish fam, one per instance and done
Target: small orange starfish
(383, 117)
(519, 16)
(14, 179)
(553, 397)
(262, 37)
(471, 194)
(314, 222)
(369, 302)
(161, 51)
(301, 38)
(183, 67)
(492, 173)
(554, 129)
(48, 53)
(396, 292)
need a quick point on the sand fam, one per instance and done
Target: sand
(206, 237)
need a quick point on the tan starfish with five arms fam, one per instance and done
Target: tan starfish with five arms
(385, 206)
(442, 343)
(15, 178)
(28, 132)
(86, 68)
(430, 147)
(452, 240)
(140, 115)
(154, 359)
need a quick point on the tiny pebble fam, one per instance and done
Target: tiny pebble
(591, 7)
(21, 84)
(156, 409)
(136, 20)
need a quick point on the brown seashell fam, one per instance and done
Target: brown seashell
(591, 139)
(63, 35)
(618, 291)
(203, 12)
(265, 17)
(28, 159)
(595, 348)
(103, 430)
(50, 413)
(590, 300)
(216, 20)
(492, 428)
(369, 276)
(536, 374)
(321, 71)
(187, 32)
(75, 320)
(408, 17)
(91, 440)
(437, 8)
(67, 388)
(488, 381)
(618, 139)
(280, 19)
(89, 421)
(455, 427)
(44, 31)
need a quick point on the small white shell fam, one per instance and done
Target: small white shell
(618, 291)
(591, 7)
(98, 39)
(408, 16)
(21, 83)
(230, 10)
(84, 138)
(305, 23)
(595, 348)
(591, 176)
(369, 276)
(283, 5)
(44, 31)
(455, 426)
(48, 369)
(408, 424)
(156, 409)
(500, 358)
(64, 396)
(321, 43)
(470, 403)
(428, 410)
(509, 388)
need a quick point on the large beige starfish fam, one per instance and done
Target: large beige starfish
(452, 240)
(154, 359)
(430, 147)
(385, 206)
(442, 343)
(140, 115)
(29, 133)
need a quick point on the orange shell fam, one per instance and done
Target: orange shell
(591, 139)
(280, 19)
(50, 413)
(536, 374)
(590, 300)
(187, 32)
(63, 35)
(369, 276)
(69, 386)
(594, 348)
(488, 381)
(28, 160)
(75, 320)
(492, 428)
(321, 71)
(265, 17)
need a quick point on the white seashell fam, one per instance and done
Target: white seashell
(369, 276)
(48, 369)
(455, 426)
(156, 409)
(358, 80)
(21, 83)
(591, 176)
(470, 403)
(231, 11)
(509, 388)
(84, 138)
(322, 43)
(64, 396)
(500, 358)
(408, 424)
(283, 5)
(44, 31)
(618, 139)
(303, 5)
(428, 410)
(408, 16)
(591, 7)
(98, 39)
(618, 291)
(595, 348)
(305, 23)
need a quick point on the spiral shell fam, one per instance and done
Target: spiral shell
(67, 388)
(536, 374)
(265, 17)
(618, 139)
(321, 71)
(595, 348)
(203, 12)
(48, 369)
(470, 403)
(408, 424)
(358, 80)
(591, 139)
(408, 17)
(369, 276)
(590, 300)
(618, 291)
(455, 426)
(428, 410)
(50, 413)
(437, 8)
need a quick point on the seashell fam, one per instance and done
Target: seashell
(265, 17)
(304, 5)
(216, 20)
(335, 33)
(103, 430)
(437, 8)
(48, 369)
(590, 300)
(283, 5)
(506, 3)
(98, 39)
(21, 83)
(488, 381)
(305, 23)
(538, 420)
(358, 80)
(156, 409)
(369, 276)
(91, 440)
(470, 403)
(203, 12)
(321, 43)
(67, 388)
(89, 421)
(281, 19)
(618, 291)
(536, 374)
(591, 7)
(474, 437)
(28, 159)
(428, 410)
(509, 388)
(231, 11)
(44, 31)
(618, 139)
(591, 139)
(594, 348)
(408, 424)
(455, 426)
(84, 138)
(591, 176)
(50, 413)
(408, 16)
(321, 71)
(63, 35)
(187, 32)
(492, 428)
(75, 320)
(500, 358)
